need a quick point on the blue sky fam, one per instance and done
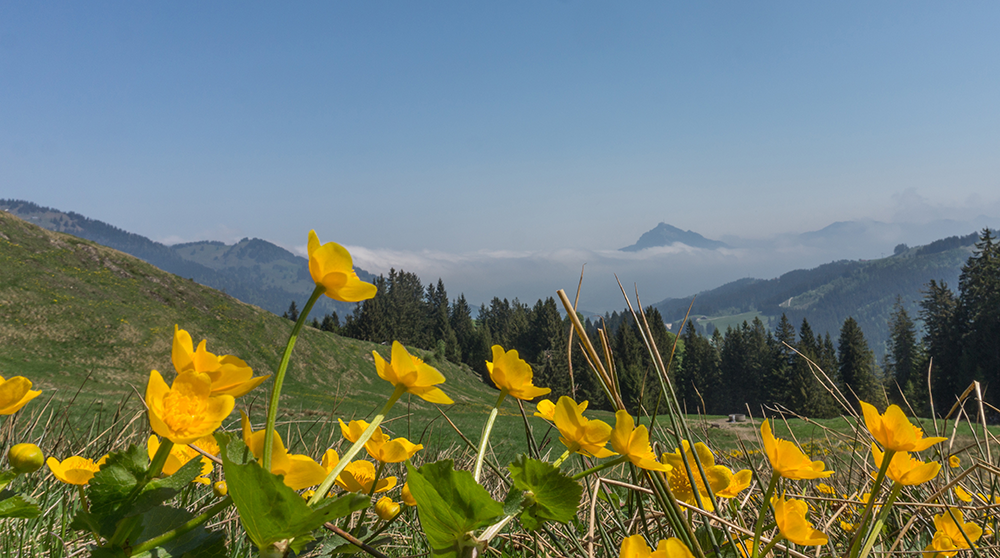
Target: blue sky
(432, 134)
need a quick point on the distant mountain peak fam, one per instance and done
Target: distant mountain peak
(665, 235)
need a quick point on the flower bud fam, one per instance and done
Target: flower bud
(386, 508)
(25, 458)
(408, 498)
(220, 489)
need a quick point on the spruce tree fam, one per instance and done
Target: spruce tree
(903, 359)
(942, 334)
(857, 366)
(979, 315)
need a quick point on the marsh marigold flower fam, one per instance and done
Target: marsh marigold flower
(512, 374)
(787, 459)
(636, 547)
(546, 409)
(410, 372)
(905, 469)
(719, 476)
(580, 434)
(15, 393)
(954, 461)
(75, 470)
(298, 471)
(824, 488)
(791, 518)
(229, 375)
(331, 266)
(386, 509)
(633, 442)
(180, 454)
(186, 410)
(894, 431)
(740, 482)
(379, 446)
(948, 538)
(406, 496)
(358, 476)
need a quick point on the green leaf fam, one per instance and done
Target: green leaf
(451, 504)
(17, 505)
(196, 543)
(270, 511)
(120, 489)
(551, 494)
(7, 477)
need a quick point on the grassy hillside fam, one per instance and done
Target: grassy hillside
(253, 270)
(74, 314)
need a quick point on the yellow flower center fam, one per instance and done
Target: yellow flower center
(182, 412)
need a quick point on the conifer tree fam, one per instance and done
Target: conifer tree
(857, 366)
(903, 359)
(979, 314)
(942, 335)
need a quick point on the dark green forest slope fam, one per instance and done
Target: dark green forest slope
(829, 294)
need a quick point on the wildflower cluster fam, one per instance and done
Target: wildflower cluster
(128, 499)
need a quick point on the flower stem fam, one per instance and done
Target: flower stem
(323, 488)
(770, 545)
(562, 458)
(486, 435)
(160, 458)
(189, 525)
(279, 378)
(764, 505)
(866, 515)
(877, 528)
(596, 468)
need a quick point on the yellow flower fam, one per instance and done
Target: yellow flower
(379, 446)
(636, 547)
(512, 374)
(823, 488)
(894, 431)
(331, 266)
(220, 489)
(15, 393)
(411, 372)
(358, 476)
(905, 469)
(298, 471)
(580, 434)
(948, 538)
(633, 442)
(406, 496)
(791, 518)
(75, 469)
(962, 494)
(546, 409)
(741, 481)
(719, 476)
(229, 375)
(954, 461)
(848, 527)
(386, 509)
(787, 459)
(180, 454)
(186, 410)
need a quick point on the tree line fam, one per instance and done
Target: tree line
(790, 368)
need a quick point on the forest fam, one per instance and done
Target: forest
(789, 369)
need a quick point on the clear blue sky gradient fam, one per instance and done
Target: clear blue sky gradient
(468, 126)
